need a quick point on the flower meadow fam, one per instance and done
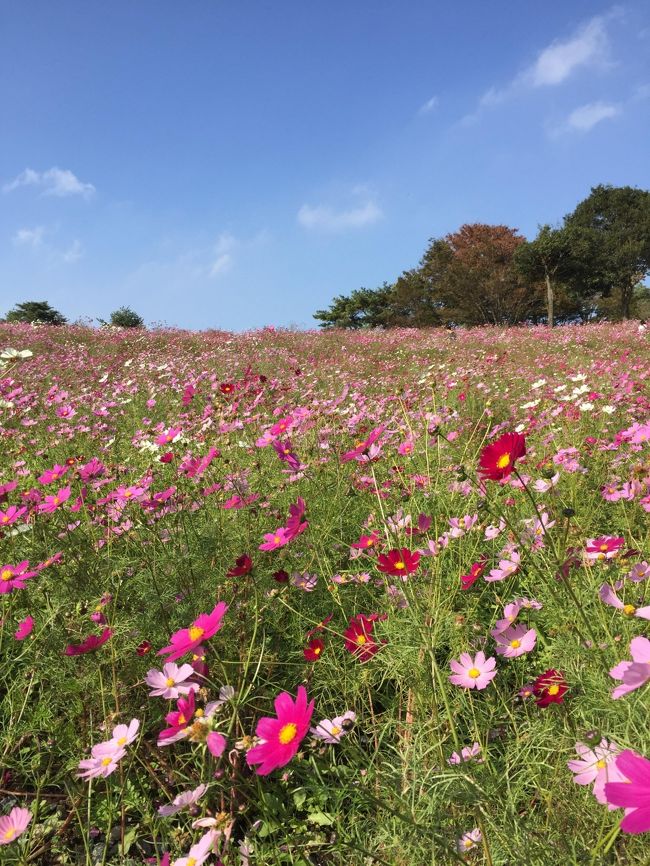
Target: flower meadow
(325, 598)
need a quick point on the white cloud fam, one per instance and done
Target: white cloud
(223, 258)
(327, 219)
(556, 62)
(29, 237)
(60, 182)
(429, 105)
(587, 116)
(73, 253)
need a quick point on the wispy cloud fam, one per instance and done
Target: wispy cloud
(585, 117)
(326, 218)
(429, 106)
(73, 253)
(60, 182)
(223, 254)
(587, 47)
(29, 237)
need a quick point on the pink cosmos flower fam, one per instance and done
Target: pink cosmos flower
(507, 567)
(596, 766)
(14, 576)
(53, 502)
(104, 761)
(633, 794)
(11, 515)
(639, 572)
(633, 674)
(359, 453)
(187, 639)
(92, 642)
(53, 474)
(603, 547)
(25, 628)
(169, 436)
(200, 852)
(187, 798)
(14, 824)
(466, 754)
(171, 682)
(124, 735)
(178, 721)
(366, 541)
(273, 540)
(514, 641)
(607, 595)
(216, 744)
(473, 673)
(281, 737)
(331, 730)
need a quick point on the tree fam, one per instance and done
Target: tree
(36, 311)
(125, 317)
(473, 278)
(614, 223)
(363, 308)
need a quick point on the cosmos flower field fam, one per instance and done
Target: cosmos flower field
(325, 598)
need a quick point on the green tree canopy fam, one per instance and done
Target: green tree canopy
(36, 311)
(125, 317)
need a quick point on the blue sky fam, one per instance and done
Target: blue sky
(237, 164)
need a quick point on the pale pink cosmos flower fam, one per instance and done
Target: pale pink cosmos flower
(200, 852)
(543, 485)
(124, 735)
(639, 572)
(473, 673)
(596, 765)
(515, 641)
(104, 760)
(14, 824)
(633, 674)
(25, 628)
(608, 596)
(510, 614)
(331, 730)
(469, 840)
(171, 682)
(187, 798)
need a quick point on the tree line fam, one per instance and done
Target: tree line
(41, 312)
(591, 266)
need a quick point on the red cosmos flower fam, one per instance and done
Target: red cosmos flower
(167, 458)
(321, 625)
(243, 565)
(314, 650)
(366, 541)
(143, 648)
(226, 388)
(476, 570)
(359, 639)
(498, 459)
(281, 576)
(398, 562)
(92, 642)
(550, 688)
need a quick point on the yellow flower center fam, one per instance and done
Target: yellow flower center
(121, 741)
(601, 764)
(276, 539)
(503, 461)
(553, 690)
(604, 548)
(336, 731)
(199, 714)
(629, 609)
(195, 632)
(317, 651)
(5, 519)
(6, 574)
(191, 861)
(169, 682)
(106, 762)
(182, 720)
(56, 500)
(9, 834)
(361, 639)
(515, 644)
(474, 673)
(399, 565)
(287, 733)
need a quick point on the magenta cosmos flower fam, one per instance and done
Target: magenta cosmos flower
(205, 626)
(281, 737)
(359, 452)
(92, 642)
(633, 674)
(14, 824)
(473, 673)
(634, 794)
(25, 628)
(604, 547)
(14, 576)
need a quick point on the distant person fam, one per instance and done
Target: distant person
(643, 326)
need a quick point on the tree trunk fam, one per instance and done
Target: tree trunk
(626, 300)
(549, 301)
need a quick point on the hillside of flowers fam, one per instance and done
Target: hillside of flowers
(352, 598)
